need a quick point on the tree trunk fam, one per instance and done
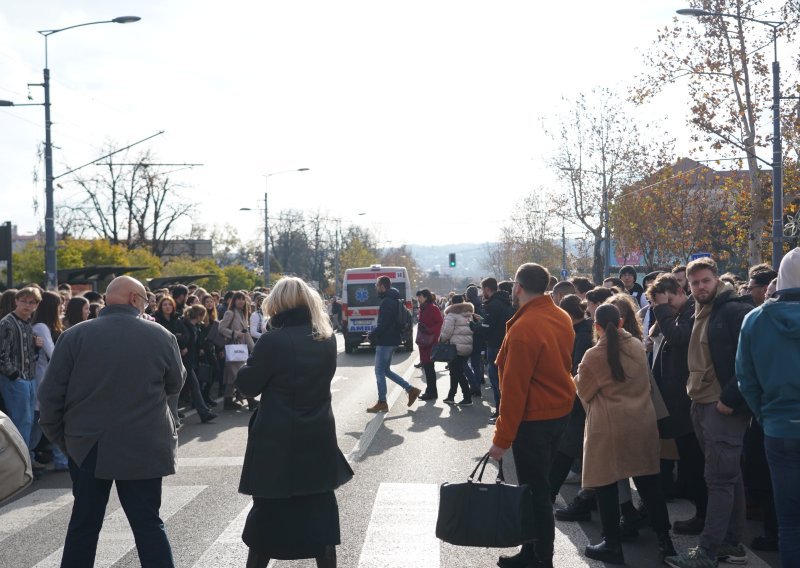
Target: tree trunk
(597, 264)
(758, 217)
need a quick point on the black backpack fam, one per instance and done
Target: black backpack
(405, 320)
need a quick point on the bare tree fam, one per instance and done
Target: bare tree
(599, 148)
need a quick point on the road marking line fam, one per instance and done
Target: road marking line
(222, 461)
(116, 538)
(403, 513)
(31, 509)
(228, 549)
(363, 443)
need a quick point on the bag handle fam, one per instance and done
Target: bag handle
(484, 461)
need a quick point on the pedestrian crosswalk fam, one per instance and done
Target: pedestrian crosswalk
(401, 513)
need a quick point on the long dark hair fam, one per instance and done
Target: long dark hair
(47, 312)
(74, 312)
(607, 317)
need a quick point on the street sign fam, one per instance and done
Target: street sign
(564, 273)
(697, 255)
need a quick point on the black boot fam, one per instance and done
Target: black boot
(523, 559)
(231, 404)
(665, 546)
(579, 510)
(252, 404)
(256, 559)
(628, 527)
(327, 560)
(605, 551)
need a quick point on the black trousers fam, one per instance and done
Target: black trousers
(691, 467)
(650, 491)
(430, 378)
(458, 378)
(534, 450)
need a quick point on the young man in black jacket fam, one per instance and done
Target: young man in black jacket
(719, 413)
(497, 311)
(386, 338)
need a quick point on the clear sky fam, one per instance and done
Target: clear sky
(425, 115)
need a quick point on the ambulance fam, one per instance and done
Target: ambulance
(360, 302)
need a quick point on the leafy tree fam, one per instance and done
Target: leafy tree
(240, 278)
(727, 77)
(357, 253)
(183, 266)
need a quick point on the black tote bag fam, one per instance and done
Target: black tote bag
(493, 515)
(443, 352)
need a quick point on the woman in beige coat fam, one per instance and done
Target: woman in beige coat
(456, 331)
(235, 328)
(621, 436)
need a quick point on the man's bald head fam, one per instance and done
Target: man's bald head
(125, 290)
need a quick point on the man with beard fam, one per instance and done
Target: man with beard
(719, 414)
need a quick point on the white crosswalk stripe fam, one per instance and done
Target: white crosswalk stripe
(402, 513)
(31, 509)
(228, 549)
(116, 538)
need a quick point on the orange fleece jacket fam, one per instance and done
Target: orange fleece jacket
(535, 367)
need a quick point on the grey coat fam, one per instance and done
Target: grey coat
(107, 384)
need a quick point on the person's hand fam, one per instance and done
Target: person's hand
(184, 351)
(38, 341)
(724, 409)
(496, 452)
(660, 299)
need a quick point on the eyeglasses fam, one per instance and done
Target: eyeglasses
(141, 297)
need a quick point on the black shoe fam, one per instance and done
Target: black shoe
(252, 404)
(476, 392)
(693, 526)
(520, 560)
(231, 404)
(665, 547)
(449, 400)
(208, 417)
(579, 510)
(628, 527)
(465, 402)
(418, 366)
(210, 403)
(494, 415)
(428, 396)
(605, 552)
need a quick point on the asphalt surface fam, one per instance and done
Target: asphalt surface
(388, 510)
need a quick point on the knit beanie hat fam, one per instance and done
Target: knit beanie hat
(789, 272)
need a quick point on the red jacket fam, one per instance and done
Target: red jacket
(535, 364)
(430, 319)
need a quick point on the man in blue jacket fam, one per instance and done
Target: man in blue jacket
(386, 338)
(767, 363)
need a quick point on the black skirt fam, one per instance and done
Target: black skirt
(294, 527)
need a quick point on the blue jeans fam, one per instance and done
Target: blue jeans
(783, 455)
(20, 400)
(494, 377)
(140, 499)
(383, 361)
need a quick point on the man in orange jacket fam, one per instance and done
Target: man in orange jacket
(537, 394)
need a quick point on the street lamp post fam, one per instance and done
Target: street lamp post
(777, 143)
(50, 264)
(267, 280)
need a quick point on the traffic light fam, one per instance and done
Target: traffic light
(452, 260)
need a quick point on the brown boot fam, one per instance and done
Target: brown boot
(380, 406)
(413, 393)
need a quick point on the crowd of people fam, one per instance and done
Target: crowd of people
(699, 363)
(683, 384)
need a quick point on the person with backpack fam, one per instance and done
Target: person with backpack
(386, 338)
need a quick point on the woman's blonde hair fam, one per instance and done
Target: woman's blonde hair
(291, 292)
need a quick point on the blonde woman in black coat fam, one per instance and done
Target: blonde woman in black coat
(292, 463)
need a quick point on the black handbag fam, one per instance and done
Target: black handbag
(493, 515)
(443, 352)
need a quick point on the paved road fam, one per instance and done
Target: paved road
(388, 511)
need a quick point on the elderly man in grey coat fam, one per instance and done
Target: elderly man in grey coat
(104, 402)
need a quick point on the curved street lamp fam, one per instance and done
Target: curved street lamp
(50, 264)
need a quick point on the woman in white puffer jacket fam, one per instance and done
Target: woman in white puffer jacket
(456, 331)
